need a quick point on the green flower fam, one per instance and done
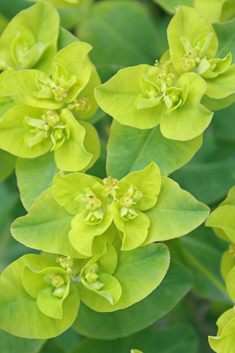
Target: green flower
(26, 42)
(153, 95)
(97, 275)
(50, 287)
(85, 197)
(193, 45)
(87, 212)
(71, 71)
(28, 132)
(38, 298)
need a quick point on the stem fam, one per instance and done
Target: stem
(206, 273)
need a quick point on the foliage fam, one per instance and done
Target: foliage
(108, 233)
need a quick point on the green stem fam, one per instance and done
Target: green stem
(205, 272)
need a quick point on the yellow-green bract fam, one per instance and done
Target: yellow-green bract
(145, 96)
(193, 45)
(81, 212)
(223, 222)
(26, 42)
(39, 297)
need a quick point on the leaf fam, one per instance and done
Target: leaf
(131, 149)
(65, 38)
(202, 252)
(176, 213)
(226, 36)
(210, 9)
(174, 286)
(123, 27)
(228, 10)
(169, 5)
(35, 176)
(8, 162)
(14, 301)
(175, 340)
(10, 344)
(143, 268)
(46, 227)
(223, 124)
(211, 173)
(52, 346)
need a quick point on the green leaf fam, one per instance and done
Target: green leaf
(15, 300)
(65, 38)
(8, 162)
(228, 10)
(143, 268)
(35, 176)
(170, 5)
(202, 252)
(174, 340)
(124, 26)
(52, 346)
(40, 43)
(131, 149)
(10, 344)
(211, 173)
(176, 213)
(45, 228)
(3, 22)
(63, 3)
(174, 286)
(226, 38)
(211, 9)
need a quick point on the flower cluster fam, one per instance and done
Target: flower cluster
(48, 93)
(170, 92)
(101, 239)
(222, 219)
